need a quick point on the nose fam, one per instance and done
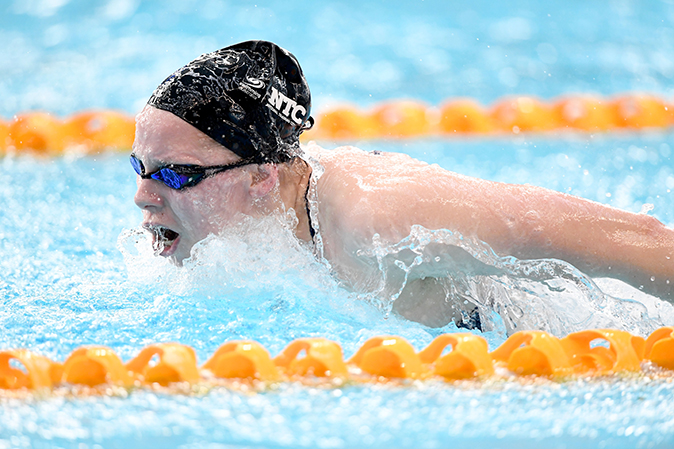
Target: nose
(148, 194)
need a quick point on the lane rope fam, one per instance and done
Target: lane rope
(95, 131)
(597, 352)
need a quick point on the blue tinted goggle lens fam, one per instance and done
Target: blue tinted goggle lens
(181, 176)
(167, 175)
(172, 179)
(136, 164)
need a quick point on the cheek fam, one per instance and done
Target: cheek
(207, 213)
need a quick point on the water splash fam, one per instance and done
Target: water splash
(545, 294)
(251, 254)
(255, 280)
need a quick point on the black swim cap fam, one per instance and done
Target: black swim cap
(250, 97)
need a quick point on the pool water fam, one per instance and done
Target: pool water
(70, 255)
(68, 55)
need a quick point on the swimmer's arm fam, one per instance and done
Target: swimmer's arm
(597, 239)
(523, 221)
(531, 223)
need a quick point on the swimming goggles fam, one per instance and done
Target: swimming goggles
(182, 176)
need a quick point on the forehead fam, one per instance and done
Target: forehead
(163, 138)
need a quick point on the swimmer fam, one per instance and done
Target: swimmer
(219, 139)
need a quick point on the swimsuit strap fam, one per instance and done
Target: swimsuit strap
(311, 202)
(312, 231)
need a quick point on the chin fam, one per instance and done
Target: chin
(175, 260)
(178, 256)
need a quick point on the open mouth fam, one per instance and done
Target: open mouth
(163, 239)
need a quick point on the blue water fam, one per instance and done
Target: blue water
(64, 56)
(69, 279)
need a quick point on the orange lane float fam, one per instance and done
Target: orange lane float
(4, 136)
(177, 363)
(40, 132)
(614, 351)
(522, 114)
(38, 370)
(643, 111)
(533, 353)
(98, 130)
(89, 132)
(323, 358)
(525, 353)
(579, 113)
(403, 118)
(659, 347)
(95, 365)
(469, 357)
(464, 116)
(344, 123)
(242, 360)
(388, 357)
(95, 131)
(586, 114)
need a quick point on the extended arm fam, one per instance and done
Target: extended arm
(388, 194)
(598, 239)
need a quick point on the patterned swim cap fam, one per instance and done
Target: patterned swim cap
(250, 97)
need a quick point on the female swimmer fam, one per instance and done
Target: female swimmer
(220, 138)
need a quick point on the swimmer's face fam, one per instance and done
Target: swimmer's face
(180, 218)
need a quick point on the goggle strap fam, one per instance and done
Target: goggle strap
(181, 178)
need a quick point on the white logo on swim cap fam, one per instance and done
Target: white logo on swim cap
(254, 82)
(248, 85)
(226, 61)
(291, 111)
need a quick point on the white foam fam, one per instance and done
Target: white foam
(262, 257)
(546, 294)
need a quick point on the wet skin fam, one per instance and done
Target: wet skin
(361, 195)
(195, 212)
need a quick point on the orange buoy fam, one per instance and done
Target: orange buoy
(533, 353)
(177, 363)
(524, 353)
(323, 358)
(586, 113)
(242, 359)
(403, 118)
(523, 114)
(659, 347)
(99, 130)
(4, 136)
(93, 131)
(94, 366)
(37, 372)
(464, 116)
(345, 122)
(388, 357)
(624, 351)
(37, 131)
(642, 111)
(469, 357)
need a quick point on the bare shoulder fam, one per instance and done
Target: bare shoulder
(362, 193)
(365, 193)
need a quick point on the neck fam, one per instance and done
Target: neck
(293, 183)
